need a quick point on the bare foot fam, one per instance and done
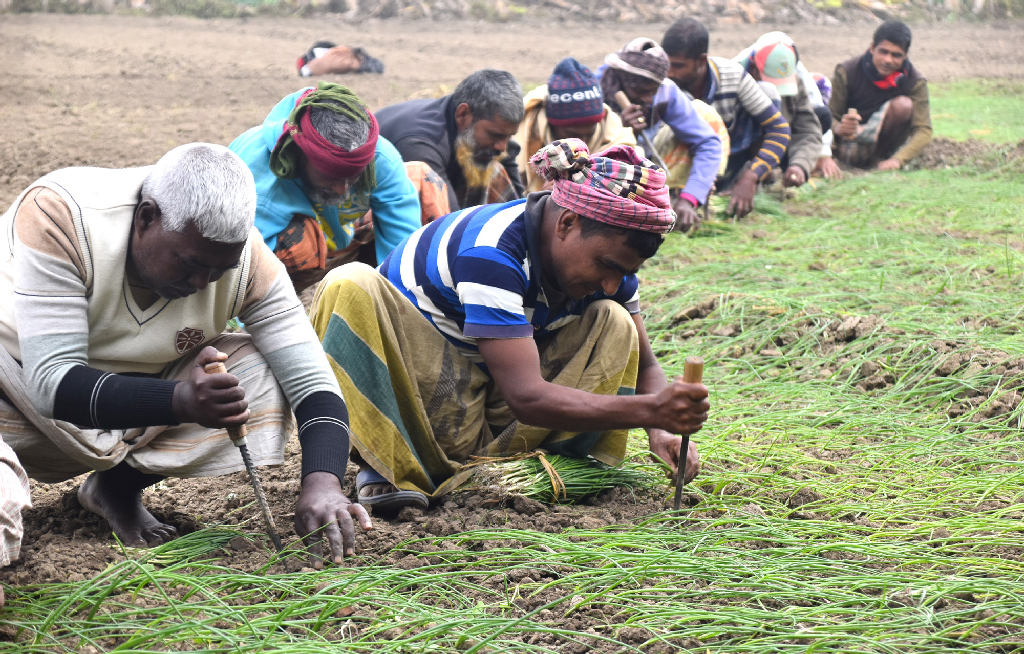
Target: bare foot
(115, 497)
(372, 490)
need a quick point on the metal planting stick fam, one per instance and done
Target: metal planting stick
(237, 435)
(693, 373)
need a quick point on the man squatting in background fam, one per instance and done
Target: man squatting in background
(773, 62)
(880, 103)
(681, 130)
(570, 105)
(465, 137)
(742, 104)
(330, 189)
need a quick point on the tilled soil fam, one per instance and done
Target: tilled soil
(120, 91)
(64, 541)
(947, 153)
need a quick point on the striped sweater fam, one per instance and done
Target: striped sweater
(476, 274)
(733, 93)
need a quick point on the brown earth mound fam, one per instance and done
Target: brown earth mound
(947, 153)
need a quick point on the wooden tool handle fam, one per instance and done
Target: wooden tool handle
(622, 99)
(236, 434)
(693, 373)
(693, 370)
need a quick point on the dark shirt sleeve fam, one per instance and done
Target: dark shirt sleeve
(94, 399)
(838, 101)
(805, 141)
(920, 124)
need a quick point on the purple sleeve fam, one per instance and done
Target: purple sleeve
(691, 130)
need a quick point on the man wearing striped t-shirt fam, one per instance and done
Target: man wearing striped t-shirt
(507, 328)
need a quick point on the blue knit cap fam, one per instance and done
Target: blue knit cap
(574, 95)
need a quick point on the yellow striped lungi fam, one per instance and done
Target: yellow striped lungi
(418, 408)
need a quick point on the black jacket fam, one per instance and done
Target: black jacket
(424, 130)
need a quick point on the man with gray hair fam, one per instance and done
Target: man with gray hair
(115, 288)
(465, 137)
(330, 190)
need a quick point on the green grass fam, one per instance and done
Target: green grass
(862, 489)
(989, 110)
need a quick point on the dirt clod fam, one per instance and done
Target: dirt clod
(527, 506)
(868, 368)
(803, 496)
(409, 513)
(241, 544)
(633, 635)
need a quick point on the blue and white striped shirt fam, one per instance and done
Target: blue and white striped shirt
(476, 274)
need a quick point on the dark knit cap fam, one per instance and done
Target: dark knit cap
(574, 95)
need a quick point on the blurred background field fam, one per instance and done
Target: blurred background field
(988, 110)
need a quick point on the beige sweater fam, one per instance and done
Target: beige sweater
(65, 299)
(534, 133)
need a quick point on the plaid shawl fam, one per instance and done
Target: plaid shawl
(614, 186)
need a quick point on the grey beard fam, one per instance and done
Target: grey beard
(323, 197)
(317, 195)
(481, 160)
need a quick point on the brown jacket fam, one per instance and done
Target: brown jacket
(851, 89)
(805, 129)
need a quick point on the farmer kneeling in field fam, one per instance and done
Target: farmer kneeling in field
(758, 133)
(330, 189)
(880, 103)
(508, 328)
(570, 105)
(773, 62)
(465, 137)
(689, 135)
(115, 286)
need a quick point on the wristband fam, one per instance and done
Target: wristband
(689, 198)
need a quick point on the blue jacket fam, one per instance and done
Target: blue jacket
(394, 201)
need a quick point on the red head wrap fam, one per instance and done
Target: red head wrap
(327, 157)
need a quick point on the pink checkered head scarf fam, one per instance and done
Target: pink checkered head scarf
(614, 186)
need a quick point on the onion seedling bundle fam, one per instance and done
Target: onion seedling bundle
(568, 479)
